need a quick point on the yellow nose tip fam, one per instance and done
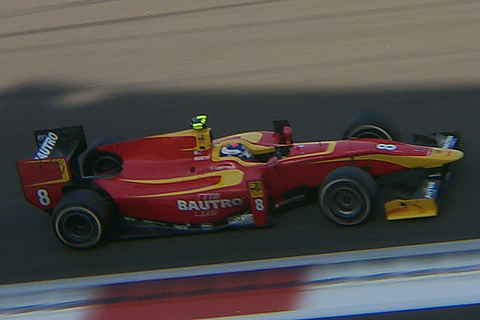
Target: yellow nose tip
(441, 156)
(456, 154)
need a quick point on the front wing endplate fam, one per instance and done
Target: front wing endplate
(410, 209)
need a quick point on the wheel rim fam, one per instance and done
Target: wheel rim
(345, 201)
(78, 226)
(369, 132)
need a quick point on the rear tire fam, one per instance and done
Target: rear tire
(102, 163)
(373, 124)
(347, 195)
(81, 219)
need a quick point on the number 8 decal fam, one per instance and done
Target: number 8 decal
(43, 198)
(259, 205)
(389, 147)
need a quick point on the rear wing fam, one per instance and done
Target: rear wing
(66, 142)
(424, 202)
(53, 165)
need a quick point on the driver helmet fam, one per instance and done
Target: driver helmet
(237, 150)
(199, 122)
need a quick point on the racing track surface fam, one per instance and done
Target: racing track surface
(147, 69)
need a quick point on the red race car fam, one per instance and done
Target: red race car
(187, 182)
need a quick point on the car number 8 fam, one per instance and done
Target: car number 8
(259, 205)
(389, 147)
(43, 198)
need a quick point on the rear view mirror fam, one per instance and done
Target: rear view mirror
(287, 133)
(283, 131)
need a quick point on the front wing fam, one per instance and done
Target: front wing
(425, 200)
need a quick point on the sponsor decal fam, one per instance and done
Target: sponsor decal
(208, 204)
(241, 219)
(201, 158)
(256, 189)
(199, 205)
(449, 142)
(207, 213)
(197, 156)
(396, 210)
(223, 167)
(47, 146)
(431, 190)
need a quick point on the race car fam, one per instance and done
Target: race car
(186, 181)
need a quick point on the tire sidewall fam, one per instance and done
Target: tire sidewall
(61, 221)
(374, 130)
(85, 211)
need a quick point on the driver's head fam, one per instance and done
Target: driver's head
(237, 150)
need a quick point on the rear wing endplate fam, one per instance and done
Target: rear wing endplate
(67, 142)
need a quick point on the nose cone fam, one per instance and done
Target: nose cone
(439, 156)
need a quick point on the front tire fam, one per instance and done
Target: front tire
(81, 219)
(373, 124)
(347, 195)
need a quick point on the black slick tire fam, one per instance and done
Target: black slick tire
(81, 219)
(373, 124)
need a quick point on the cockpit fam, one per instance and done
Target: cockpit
(248, 147)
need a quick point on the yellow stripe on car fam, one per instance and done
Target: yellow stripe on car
(228, 178)
(62, 167)
(437, 158)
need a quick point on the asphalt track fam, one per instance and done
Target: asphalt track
(148, 68)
